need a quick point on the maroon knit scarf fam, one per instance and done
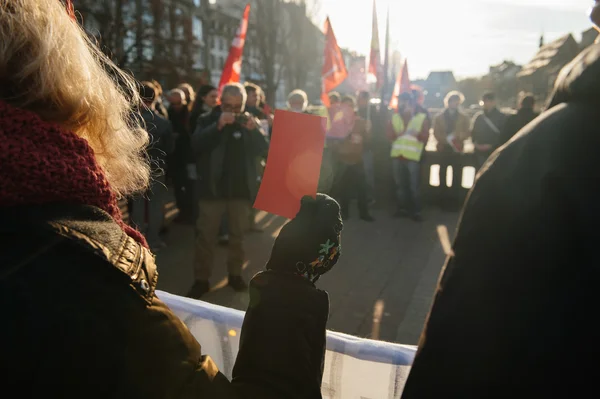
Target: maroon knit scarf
(40, 162)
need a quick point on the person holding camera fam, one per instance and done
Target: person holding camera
(226, 143)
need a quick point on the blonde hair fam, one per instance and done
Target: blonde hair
(49, 66)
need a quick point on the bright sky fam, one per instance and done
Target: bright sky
(466, 36)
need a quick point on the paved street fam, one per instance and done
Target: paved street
(381, 288)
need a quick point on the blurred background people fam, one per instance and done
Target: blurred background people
(487, 128)
(182, 162)
(297, 101)
(525, 114)
(351, 180)
(147, 208)
(190, 95)
(408, 131)
(159, 106)
(365, 111)
(205, 101)
(451, 128)
(335, 98)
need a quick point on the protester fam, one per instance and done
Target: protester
(205, 101)
(408, 131)
(514, 123)
(265, 108)
(225, 144)
(253, 94)
(348, 155)
(159, 106)
(334, 98)
(297, 101)
(282, 345)
(161, 145)
(365, 111)
(451, 128)
(182, 161)
(512, 312)
(487, 127)
(190, 95)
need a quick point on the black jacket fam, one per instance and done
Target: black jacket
(483, 133)
(80, 320)
(210, 145)
(514, 312)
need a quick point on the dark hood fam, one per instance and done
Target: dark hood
(579, 81)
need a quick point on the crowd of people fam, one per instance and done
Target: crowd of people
(211, 152)
(77, 283)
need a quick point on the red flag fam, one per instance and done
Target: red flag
(334, 69)
(402, 85)
(375, 68)
(233, 65)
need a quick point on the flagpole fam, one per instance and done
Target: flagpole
(386, 56)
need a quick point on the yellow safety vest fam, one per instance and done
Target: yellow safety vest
(408, 146)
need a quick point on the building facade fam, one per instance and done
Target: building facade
(175, 41)
(152, 39)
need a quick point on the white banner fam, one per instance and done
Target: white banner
(354, 367)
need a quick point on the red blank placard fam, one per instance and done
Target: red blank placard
(293, 164)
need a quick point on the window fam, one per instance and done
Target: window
(213, 62)
(166, 26)
(197, 27)
(148, 50)
(198, 59)
(177, 50)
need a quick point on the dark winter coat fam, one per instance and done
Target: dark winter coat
(514, 313)
(80, 319)
(212, 148)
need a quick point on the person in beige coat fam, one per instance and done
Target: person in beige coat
(451, 128)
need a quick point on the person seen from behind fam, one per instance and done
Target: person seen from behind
(451, 128)
(511, 316)
(149, 205)
(408, 131)
(226, 143)
(524, 115)
(487, 128)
